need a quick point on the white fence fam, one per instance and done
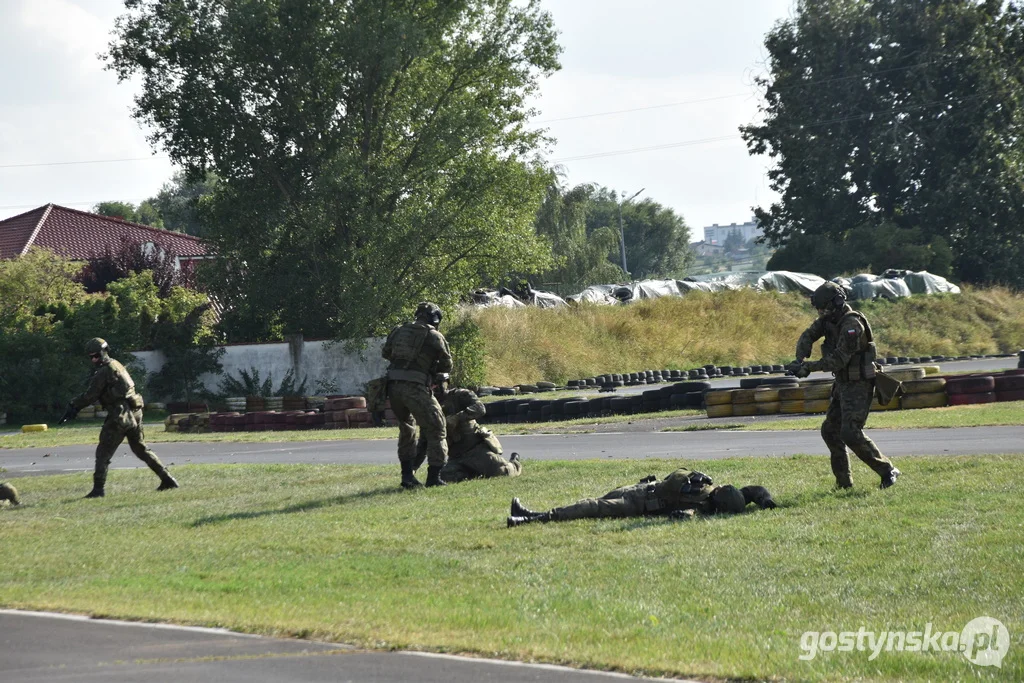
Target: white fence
(317, 362)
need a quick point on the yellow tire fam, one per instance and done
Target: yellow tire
(933, 400)
(905, 374)
(818, 405)
(720, 410)
(34, 428)
(931, 385)
(816, 392)
(791, 407)
(931, 369)
(791, 394)
(720, 397)
(766, 395)
(742, 396)
(768, 407)
(743, 409)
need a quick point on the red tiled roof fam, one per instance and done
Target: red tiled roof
(78, 235)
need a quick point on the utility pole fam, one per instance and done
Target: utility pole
(622, 236)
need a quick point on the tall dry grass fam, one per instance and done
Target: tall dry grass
(728, 328)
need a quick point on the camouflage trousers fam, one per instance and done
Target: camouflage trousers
(112, 434)
(480, 461)
(628, 501)
(844, 426)
(413, 405)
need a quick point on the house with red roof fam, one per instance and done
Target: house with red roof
(80, 235)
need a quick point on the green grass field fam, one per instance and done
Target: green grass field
(340, 553)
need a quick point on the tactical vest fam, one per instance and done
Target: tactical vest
(119, 389)
(862, 363)
(406, 345)
(683, 489)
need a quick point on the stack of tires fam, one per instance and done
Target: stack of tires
(719, 403)
(1010, 387)
(236, 404)
(345, 412)
(970, 390)
(767, 400)
(924, 393)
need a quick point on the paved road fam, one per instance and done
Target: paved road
(49, 648)
(622, 445)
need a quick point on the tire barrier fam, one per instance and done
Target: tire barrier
(818, 405)
(972, 398)
(925, 386)
(970, 385)
(936, 399)
(34, 428)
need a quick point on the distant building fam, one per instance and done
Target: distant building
(717, 234)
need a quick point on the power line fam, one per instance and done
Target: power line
(653, 106)
(88, 161)
(684, 143)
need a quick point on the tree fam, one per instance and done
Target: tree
(184, 335)
(130, 257)
(371, 153)
(733, 242)
(899, 114)
(178, 203)
(582, 256)
(145, 213)
(657, 240)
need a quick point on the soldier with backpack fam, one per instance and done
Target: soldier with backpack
(680, 495)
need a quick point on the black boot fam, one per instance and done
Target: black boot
(517, 510)
(890, 479)
(542, 517)
(434, 476)
(167, 482)
(98, 480)
(409, 480)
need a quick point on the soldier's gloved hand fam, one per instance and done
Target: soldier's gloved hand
(69, 414)
(798, 368)
(679, 515)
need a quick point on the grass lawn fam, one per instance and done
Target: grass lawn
(340, 553)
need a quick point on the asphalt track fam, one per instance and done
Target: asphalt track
(50, 648)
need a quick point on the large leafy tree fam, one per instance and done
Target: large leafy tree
(178, 202)
(145, 213)
(657, 239)
(897, 115)
(371, 152)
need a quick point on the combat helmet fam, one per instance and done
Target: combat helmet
(97, 346)
(728, 498)
(429, 313)
(828, 298)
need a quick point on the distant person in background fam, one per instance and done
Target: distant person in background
(113, 388)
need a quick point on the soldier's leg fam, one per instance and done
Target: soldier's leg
(483, 461)
(137, 442)
(456, 470)
(856, 404)
(430, 417)
(111, 437)
(406, 425)
(627, 506)
(831, 429)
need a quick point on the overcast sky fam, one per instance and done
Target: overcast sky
(684, 67)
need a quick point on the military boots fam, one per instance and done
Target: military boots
(167, 482)
(409, 480)
(434, 476)
(519, 515)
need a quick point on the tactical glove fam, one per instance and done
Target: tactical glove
(759, 496)
(69, 414)
(681, 514)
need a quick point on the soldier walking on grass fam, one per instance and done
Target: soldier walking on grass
(849, 353)
(113, 388)
(473, 451)
(417, 351)
(680, 495)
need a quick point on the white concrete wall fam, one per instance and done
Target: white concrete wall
(314, 360)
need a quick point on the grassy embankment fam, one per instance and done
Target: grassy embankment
(339, 553)
(729, 328)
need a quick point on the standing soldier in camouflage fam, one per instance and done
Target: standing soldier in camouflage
(680, 495)
(849, 353)
(113, 388)
(473, 451)
(417, 351)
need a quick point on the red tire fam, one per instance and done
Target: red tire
(970, 385)
(1014, 395)
(1009, 383)
(968, 399)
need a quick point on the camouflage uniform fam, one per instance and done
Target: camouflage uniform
(113, 388)
(416, 351)
(473, 451)
(681, 494)
(848, 351)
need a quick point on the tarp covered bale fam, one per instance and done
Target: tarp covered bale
(785, 281)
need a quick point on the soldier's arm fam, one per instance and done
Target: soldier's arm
(834, 360)
(812, 334)
(444, 354)
(97, 383)
(386, 351)
(469, 406)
